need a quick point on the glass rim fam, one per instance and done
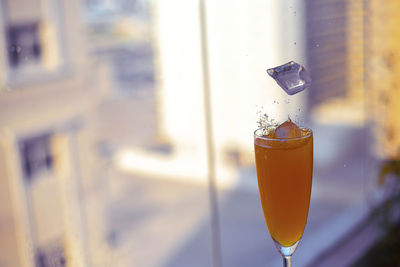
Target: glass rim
(308, 135)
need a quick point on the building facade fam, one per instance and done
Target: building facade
(47, 85)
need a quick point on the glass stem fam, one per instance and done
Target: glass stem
(287, 261)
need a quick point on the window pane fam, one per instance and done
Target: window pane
(126, 129)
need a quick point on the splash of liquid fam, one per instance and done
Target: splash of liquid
(266, 123)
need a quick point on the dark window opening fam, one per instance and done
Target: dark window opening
(36, 156)
(51, 256)
(23, 44)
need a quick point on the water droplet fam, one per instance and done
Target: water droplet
(19, 49)
(294, 43)
(317, 45)
(344, 165)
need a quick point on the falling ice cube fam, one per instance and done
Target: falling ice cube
(292, 77)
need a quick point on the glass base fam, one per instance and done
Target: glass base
(286, 251)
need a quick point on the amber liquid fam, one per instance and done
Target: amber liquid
(284, 171)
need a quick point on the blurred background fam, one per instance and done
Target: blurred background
(126, 130)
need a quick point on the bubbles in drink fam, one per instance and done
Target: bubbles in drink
(291, 77)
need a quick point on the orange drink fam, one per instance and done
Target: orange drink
(284, 171)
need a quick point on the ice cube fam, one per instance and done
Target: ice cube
(291, 77)
(288, 129)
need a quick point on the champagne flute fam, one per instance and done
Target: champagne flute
(284, 174)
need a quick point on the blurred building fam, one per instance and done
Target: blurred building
(335, 53)
(383, 49)
(47, 85)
